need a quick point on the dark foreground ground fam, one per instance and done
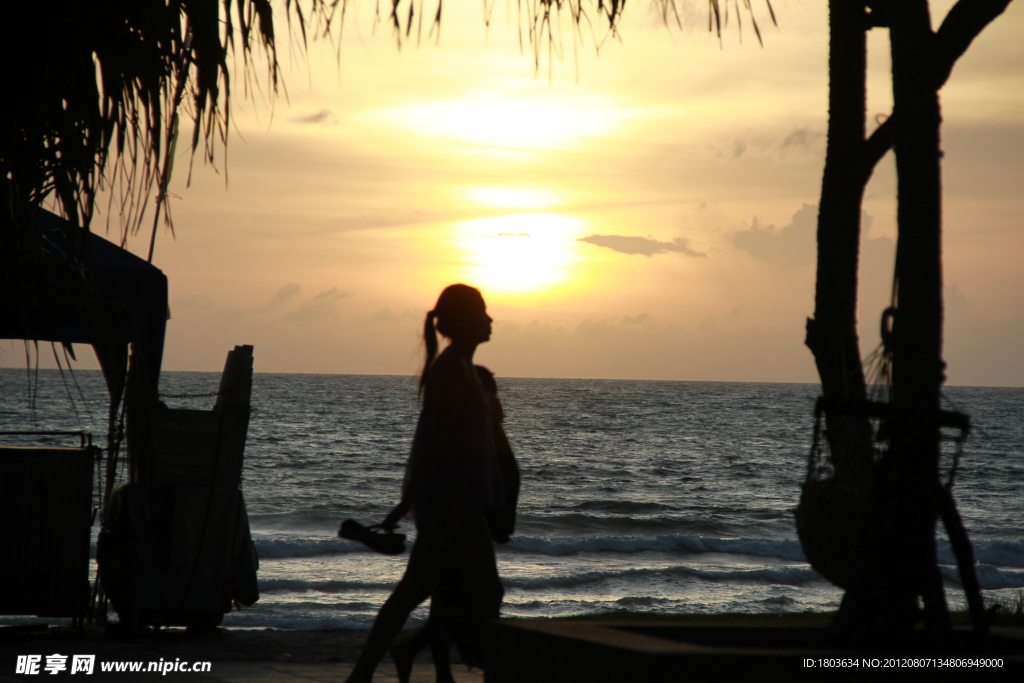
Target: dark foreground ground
(260, 656)
(234, 656)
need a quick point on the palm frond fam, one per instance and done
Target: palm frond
(107, 80)
(94, 89)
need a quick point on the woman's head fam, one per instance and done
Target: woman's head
(460, 315)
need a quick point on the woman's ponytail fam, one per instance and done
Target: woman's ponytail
(430, 339)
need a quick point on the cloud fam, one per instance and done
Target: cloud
(796, 244)
(793, 245)
(322, 116)
(386, 315)
(738, 148)
(627, 244)
(284, 294)
(194, 301)
(802, 137)
(323, 305)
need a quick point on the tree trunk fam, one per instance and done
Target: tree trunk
(912, 481)
(899, 559)
(832, 332)
(900, 564)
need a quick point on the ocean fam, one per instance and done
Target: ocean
(637, 496)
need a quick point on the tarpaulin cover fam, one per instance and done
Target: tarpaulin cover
(132, 294)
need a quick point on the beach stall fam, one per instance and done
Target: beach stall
(180, 507)
(175, 548)
(46, 491)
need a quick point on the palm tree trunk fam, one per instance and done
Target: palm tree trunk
(899, 562)
(912, 481)
(832, 332)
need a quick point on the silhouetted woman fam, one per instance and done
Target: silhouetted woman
(452, 479)
(449, 618)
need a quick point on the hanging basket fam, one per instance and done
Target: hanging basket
(831, 521)
(838, 498)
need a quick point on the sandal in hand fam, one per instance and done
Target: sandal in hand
(373, 537)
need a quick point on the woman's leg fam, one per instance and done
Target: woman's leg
(478, 574)
(439, 648)
(405, 652)
(443, 601)
(426, 562)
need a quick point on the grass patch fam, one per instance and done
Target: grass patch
(1008, 612)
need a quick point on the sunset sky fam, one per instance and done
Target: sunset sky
(646, 212)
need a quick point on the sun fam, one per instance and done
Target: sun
(521, 253)
(512, 197)
(499, 121)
